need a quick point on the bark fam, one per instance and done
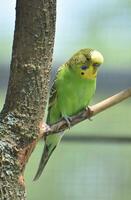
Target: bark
(23, 111)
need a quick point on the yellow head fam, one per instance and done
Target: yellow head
(86, 63)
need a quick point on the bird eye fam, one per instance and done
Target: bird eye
(84, 67)
(96, 64)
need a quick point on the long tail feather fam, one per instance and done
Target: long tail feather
(44, 159)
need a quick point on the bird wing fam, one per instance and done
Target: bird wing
(53, 94)
(53, 90)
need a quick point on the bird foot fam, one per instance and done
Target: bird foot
(68, 121)
(90, 113)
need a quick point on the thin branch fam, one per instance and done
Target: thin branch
(87, 114)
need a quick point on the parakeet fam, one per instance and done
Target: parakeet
(72, 90)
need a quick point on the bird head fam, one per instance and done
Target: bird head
(85, 63)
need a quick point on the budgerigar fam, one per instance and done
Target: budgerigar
(73, 88)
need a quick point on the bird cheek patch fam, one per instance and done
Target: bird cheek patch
(82, 73)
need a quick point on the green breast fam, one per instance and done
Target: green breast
(73, 94)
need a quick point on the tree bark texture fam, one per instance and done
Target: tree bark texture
(22, 114)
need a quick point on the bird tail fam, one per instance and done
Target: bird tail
(44, 159)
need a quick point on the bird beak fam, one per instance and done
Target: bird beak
(94, 72)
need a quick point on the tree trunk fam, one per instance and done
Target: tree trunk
(22, 115)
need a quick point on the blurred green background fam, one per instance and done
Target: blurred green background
(85, 168)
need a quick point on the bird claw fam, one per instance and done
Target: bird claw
(68, 121)
(90, 113)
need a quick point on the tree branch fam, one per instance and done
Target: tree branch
(87, 114)
(26, 98)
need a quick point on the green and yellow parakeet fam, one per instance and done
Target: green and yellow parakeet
(73, 88)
